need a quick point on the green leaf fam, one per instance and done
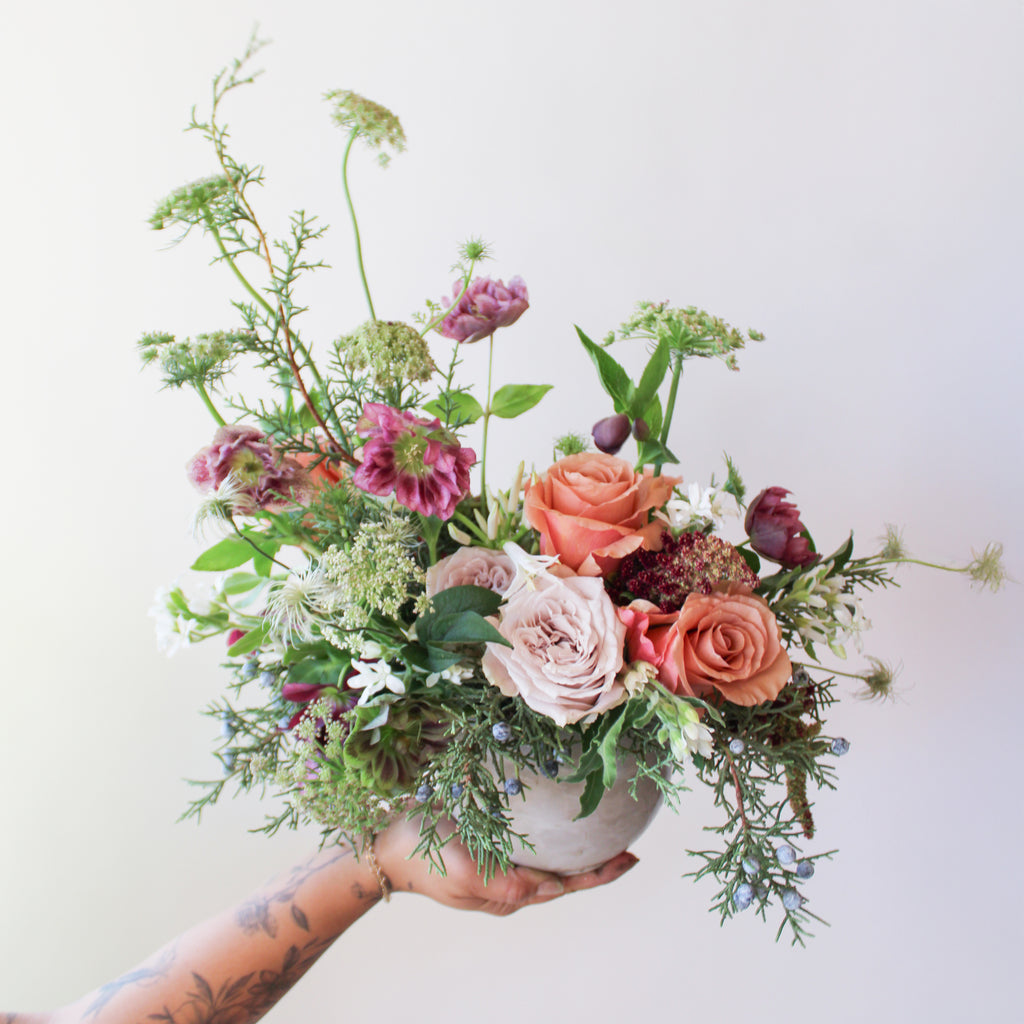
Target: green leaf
(653, 416)
(592, 793)
(514, 399)
(652, 450)
(750, 557)
(263, 560)
(438, 659)
(842, 555)
(613, 377)
(241, 582)
(462, 407)
(229, 553)
(306, 419)
(253, 639)
(650, 381)
(465, 599)
(457, 628)
(609, 751)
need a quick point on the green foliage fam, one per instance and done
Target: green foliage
(762, 792)
(513, 400)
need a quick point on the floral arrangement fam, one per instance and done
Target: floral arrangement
(400, 639)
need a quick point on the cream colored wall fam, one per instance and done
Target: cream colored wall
(845, 177)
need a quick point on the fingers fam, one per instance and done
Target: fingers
(548, 886)
(609, 871)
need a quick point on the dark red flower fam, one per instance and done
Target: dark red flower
(776, 532)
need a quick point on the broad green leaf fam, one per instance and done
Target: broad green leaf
(609, 751)
(262, 561)
(841, 555)
(653, 450)
(464, 599)
(306, 419)
(651, 379)
(653, 416)
(464, 408)
(592, 793)
(750, 557)
(253, 639)
(613, 377)
(457, 628)
(241, 582)
(438, 659)
(513, 399)
(229, 553)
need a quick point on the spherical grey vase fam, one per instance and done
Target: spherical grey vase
(545, 812)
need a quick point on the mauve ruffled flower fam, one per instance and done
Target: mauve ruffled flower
(566, 649)
(416, 459)
(471, 566)
(486, 306)
(774, 527)
(269, 479)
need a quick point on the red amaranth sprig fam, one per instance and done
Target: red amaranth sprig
(693, 562)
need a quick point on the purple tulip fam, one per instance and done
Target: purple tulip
(610, 433)
(775, 530)
(486, 306)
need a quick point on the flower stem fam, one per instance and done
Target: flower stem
(205, 396)
(355, 225)
(677, 372)
(254, 545)
(467, 278)
(487, 421)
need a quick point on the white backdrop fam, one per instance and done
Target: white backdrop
(844, 177)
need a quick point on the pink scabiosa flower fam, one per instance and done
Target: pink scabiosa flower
(417, 459)
(486, 306)
(261, 475)
(775, 530)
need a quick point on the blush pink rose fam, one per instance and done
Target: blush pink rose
(475, 567)
(725, 643)
(566, 649)
(592, 510)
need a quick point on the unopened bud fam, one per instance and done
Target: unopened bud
(641, 431)
(610, 433)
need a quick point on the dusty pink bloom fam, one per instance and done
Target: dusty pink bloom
(486, 306)
(417, 459)
(475, 567)
(267, 478)
(566, 649)
(774, 527)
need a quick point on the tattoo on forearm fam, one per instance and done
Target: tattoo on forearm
(244, 999)
(144, 976)
(256, 915)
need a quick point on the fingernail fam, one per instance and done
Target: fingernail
(551, 887)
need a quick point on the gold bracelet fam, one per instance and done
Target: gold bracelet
(385, 883)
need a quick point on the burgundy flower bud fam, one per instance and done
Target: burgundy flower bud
(610, 433)
(775, 530)
(641, 431)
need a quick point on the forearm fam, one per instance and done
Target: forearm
(239, 964)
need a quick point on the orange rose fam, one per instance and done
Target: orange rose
(325, 472)
(592, 510)
(726, 642)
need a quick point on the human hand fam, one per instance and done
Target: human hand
(463, 887)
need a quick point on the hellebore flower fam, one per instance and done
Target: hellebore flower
(264, 476)
(417, 459)
(775, 530)
(486, 306)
